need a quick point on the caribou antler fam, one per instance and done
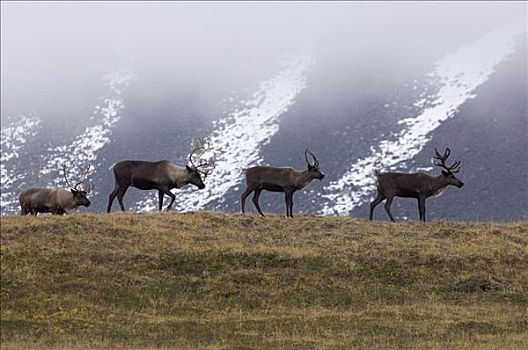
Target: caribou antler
(64, 172)
(80, 182)
(315, 161)
(198, 148)
(88, 188)
(439, 160)
(83, 177)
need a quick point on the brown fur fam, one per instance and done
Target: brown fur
(287, 180)
(55, 201)
(162, 176)
(415, 185)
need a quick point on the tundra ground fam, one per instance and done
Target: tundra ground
(215, 280)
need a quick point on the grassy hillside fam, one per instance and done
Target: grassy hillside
(213, 280)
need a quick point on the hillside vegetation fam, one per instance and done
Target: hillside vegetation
(215, 280)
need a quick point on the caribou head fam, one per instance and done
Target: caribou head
(313, 167)
(448, 171)
(80, 190)
(198, 165)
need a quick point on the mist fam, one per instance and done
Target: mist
(54, 54)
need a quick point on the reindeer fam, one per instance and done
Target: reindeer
(416, 185)
(287, 180)
(55, 201)
(162, 175)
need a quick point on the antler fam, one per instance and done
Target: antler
(64, 172)
(198, 148)
(315, 161)
(439, 160)
(80, 182)
(83, 177)
(88, 188)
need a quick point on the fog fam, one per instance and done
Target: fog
(54, 54)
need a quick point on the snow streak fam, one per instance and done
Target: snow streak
(241, 134)
(458, 75)
(13, 138)
(83, 149)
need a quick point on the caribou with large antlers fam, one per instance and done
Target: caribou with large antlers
(416, 185)
(287, 180)
(56, 201)
(162, 176)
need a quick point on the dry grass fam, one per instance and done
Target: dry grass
(218, 281)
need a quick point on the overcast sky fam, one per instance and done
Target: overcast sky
(55, 53)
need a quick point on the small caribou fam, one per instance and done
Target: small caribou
(55, 201)
(287, 180)
(162, 176)
(415, 185)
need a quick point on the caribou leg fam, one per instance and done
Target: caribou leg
(160, 194)
(111, 198)
(421, 208)
(380, 197)
(24, 210)
(289, 204)
(246, 193)
(256, 196)
(171, 195)
(387, 207)
(56, 211)
(120, 196)
(287, 199)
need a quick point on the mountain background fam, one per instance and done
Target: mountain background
(99, 83)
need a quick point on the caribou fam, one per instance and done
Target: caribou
(162, 175)
(285, 179)
(415, 185)
(55, 201)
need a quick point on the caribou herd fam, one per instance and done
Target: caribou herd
(165, 176)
